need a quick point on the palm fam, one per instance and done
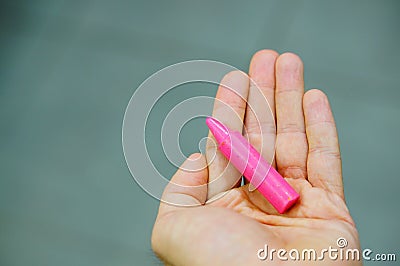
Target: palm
(321, 217)
(316, 222)
(237, 222)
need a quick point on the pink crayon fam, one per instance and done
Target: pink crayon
(253, 166)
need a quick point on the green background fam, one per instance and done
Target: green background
(68, 69)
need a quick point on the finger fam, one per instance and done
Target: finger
(324, 164)
(260, 125)
(291, 142)
(229, 108)
(188, 187)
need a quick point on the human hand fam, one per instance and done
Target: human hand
(230, 223)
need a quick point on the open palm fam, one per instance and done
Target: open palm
(231, 224)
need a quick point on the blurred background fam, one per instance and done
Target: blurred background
(69, 68)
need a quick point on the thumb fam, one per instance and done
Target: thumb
(188, 187)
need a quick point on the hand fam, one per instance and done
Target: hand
(231, 224)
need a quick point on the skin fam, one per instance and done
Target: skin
(230, 224)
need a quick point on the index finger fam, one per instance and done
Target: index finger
(229, 108)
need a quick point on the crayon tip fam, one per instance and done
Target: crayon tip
(219, 131)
